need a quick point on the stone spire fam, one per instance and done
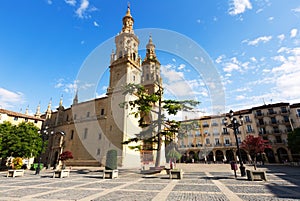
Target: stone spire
(150, 47)
(75, 100)
(27, 111)
(128, 21)
(38, 111)
(49, 111)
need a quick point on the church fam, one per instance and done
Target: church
(89, 129)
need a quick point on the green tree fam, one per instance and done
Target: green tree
(294, 141)
(153, 130)
(23, 140)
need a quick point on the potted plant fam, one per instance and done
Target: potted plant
(111, 165)
(16, 168)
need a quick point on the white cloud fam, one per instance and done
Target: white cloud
(219, 59)
(262, 39)
(234, 64)
(240, 97)
(71, 2)
(181, 66)
(96, 24)
(259, 10)
(239, 6)
(270, 18)
(281, 37)
(82, 9)
(49, 2)
(293, 33)
(296, 10)
(287, 74)
(198, 21)
(9, 98)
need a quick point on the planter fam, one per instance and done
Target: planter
(110, 174)
(176, 174)
(61, 173)
(256, 175)
(15, 173)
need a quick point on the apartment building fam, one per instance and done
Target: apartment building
(208, 139)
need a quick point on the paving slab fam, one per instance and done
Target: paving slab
(200, 182)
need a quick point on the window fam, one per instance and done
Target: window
(75, 116)
(278, 139)
(249, 128)
(72, 135)
(239, 140)
(283, 110)
(247, 119)
(207, 141)
(102, 111)
(26, 120)
(225, 131)
(16, 118)
(273, 120)
(298, 112)
(88, 114)
(262, 131)
(286, 118)
(67, 118)
(98, 152)
(110, 128)
(261, 122)
(147, 76)
(35, 121)
(271, 111)
(99, 136)
(258, 113)
(85, 133)
(227, 141)
(276, 129)
(133, 78)
(217, 142)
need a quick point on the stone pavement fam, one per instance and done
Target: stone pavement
(200, 182)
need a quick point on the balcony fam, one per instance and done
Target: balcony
(271, 113)
(225, 133)
(259, 114)
(250, 131)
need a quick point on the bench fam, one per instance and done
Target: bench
(61, 173)
(110, 174)
(176, 174)
(15, 173)
(256, 175)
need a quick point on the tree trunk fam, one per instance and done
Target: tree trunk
(255, 162)
(158, 154)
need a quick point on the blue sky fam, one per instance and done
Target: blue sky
(253, 44)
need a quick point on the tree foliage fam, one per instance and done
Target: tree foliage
(294, 141)
(22, 140)
(154, 129)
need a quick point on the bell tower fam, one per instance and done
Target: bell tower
(124, 61)
(125, 68)
(151, 78)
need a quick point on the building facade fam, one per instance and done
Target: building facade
(89, 129)
(16, 118)
(208, 139)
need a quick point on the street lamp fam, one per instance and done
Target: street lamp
(234, 125)
(44, 135)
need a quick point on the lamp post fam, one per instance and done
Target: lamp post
(44, 134)
(234, 125)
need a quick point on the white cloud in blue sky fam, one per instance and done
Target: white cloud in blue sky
(239, 6)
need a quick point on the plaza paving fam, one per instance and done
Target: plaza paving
(200, 182)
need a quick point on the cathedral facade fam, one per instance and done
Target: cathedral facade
(89, 129)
